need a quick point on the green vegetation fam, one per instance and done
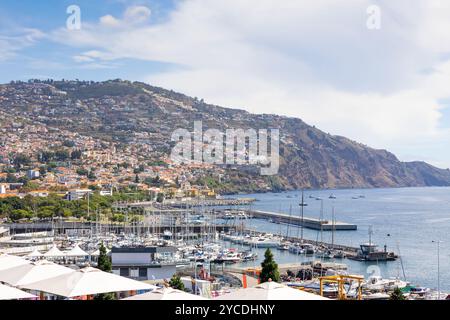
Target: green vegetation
(269, 268)
(104, 264)
(104, 261)
(397, 294)
(176, 283)
(54, 206)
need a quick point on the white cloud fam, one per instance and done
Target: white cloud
(12, 44)
(313, 60)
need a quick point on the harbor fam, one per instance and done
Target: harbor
(224, 246)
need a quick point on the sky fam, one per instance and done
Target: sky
(377, 71)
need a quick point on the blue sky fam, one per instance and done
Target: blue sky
(316, 60)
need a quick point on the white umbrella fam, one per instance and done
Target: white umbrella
(270, 291)
(9, 293)
(8, 261)
(35, 254)
(166, 294)
(77, 252)
(87, 281)
(32, 272)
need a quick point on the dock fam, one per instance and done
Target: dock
(310, 223)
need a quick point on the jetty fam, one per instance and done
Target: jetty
(310, 223)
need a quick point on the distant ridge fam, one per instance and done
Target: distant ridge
(117, 110)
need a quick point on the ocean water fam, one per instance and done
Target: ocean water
(407, 220)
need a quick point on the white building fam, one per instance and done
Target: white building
(77, 194)
(143, 263)
(33, 174)
(2, 189)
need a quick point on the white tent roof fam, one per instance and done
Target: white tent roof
(9, 293)
(54, 252)
(32, 272)
(165, 294)
(87, 281)
(8, 261)
(96, 253)
(34, 254)
(270, 291)
(76, 252)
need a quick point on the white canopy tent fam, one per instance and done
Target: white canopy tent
(96, 253)
(76, 252)
(32, 272)
(54, 252)
(87, 281)
(8, 261)
(270, 291)
(35, 254)
(9, 293)
(166, 294)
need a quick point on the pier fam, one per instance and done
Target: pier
(310, 223)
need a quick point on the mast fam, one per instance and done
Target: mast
(333, 227)
(302, 205)
(289, 222)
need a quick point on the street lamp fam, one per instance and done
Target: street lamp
(438, 271)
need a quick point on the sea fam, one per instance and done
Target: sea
(412, 222)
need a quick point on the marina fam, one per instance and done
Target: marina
(228, 243)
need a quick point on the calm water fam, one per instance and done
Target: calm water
(412, 217)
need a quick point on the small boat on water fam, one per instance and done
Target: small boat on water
(332, 196)
(249, 256)
(228, 257)
(283, 247)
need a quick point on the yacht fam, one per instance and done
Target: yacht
(377, 283)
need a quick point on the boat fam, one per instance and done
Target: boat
(377, 283)
(418, 293)
(332, 196)
(369, 252)
(263, 243)
(249, 256)
(376, 296)
(229, 257)
(283, 247)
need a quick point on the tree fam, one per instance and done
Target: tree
(269, 268)
(397, 294)
(160, 197)
(176, 283)
(104, 264)
(76, 154)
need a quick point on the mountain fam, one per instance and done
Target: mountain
(128, 113)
